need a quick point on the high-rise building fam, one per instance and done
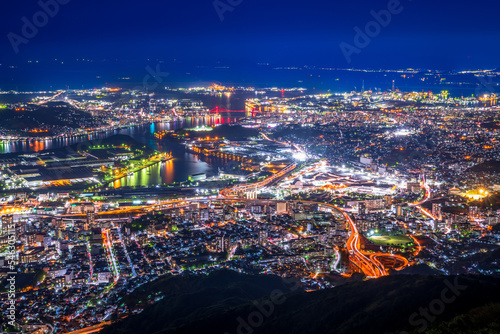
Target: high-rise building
(413, 187)
(281, 207)
(223, 244)
(362, 208)
(8, 225)
(436, 210)
(262, 237)
(473, 212)
(374, 204)
(90, 218)
(399, 211)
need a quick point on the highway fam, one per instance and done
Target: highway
(255, 186)
(368, 264)
(371, 268)
(419, 249)
(371, 264)
(91, 329)
(418, 204)
(426, 196)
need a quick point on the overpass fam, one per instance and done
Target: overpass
(234, 191)
(373, 265)
(370, 265)
(427, 196)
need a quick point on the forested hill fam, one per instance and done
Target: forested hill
(227, 302)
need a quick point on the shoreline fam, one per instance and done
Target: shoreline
(20, 139)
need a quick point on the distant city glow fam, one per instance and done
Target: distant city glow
(403, 132)
(300, 156)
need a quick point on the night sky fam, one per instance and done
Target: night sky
(424, 34)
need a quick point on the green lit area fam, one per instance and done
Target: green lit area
(391, 240)
(200, 129)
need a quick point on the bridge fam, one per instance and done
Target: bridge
(219, 110)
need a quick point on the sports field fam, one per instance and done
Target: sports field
(391, 240)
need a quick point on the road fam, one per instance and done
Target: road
(233, 191)
(418, 204)
(371, 264)
(91, 329)
(368, 264)
(371, 268)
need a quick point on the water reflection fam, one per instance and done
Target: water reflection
(168, 172)
(178, 169)
(139, 132)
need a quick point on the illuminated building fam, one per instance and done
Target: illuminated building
(198, 177)
(262, 237)
(281, 207)
(473, 212)
(399, 211)
(362, 208)
(436, 210)
(7, 224)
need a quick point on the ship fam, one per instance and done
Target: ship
(167, 157)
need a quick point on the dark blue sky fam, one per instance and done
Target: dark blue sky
(430, 34)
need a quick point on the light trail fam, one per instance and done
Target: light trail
(91, 329)
(126, 253)
(231, 253)
(337, 254)
(233, 191)
(419, 249)
(418, 204)
(89, 253)
(110, 254)
(371, 266)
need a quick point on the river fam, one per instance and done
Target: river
(178, 169)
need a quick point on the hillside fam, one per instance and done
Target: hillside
(189, 298)
(51, 116)
(219, 304)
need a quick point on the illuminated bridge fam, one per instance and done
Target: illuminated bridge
(219, 110)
